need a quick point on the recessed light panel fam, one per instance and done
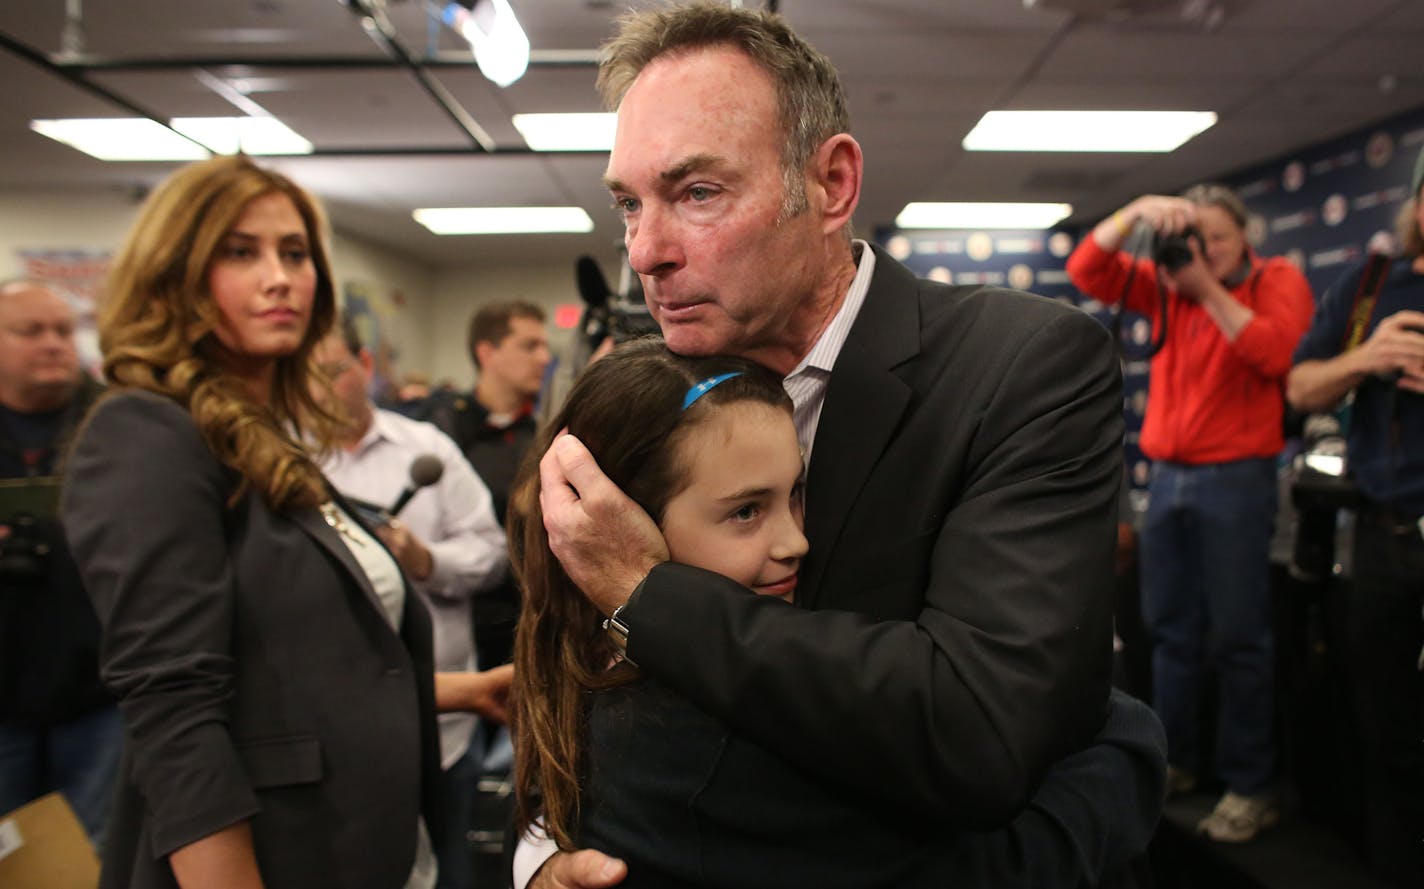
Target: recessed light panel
(121, 139)
(503, 220)
(1086, 130)
(981, 215)
(567, 132)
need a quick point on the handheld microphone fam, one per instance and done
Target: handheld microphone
(425, 470)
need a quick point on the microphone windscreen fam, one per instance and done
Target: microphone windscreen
(426, 470)
(591, 285)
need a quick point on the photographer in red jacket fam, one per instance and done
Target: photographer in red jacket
(1225, 323)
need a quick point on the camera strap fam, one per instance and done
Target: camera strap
(1117, 308)
(1366, 296)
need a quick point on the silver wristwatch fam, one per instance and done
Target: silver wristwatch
(617, 630)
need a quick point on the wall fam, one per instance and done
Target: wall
(459, 290)
(390, 297)
(1320, 206)
(81, 229)
(1325, 206)
(66, 221)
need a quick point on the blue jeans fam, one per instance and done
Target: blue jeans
(1206, 599)
(79, 758)
(460, 785)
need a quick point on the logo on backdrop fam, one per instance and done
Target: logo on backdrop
(1379, 150)
(1333, 211)
(979, 246)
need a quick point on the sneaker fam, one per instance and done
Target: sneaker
(1237, 819)
(1179, 781)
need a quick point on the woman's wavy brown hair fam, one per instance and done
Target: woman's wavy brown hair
(627, 409)
(157, 322)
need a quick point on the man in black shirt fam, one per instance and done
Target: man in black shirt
(494, 426)
(59, 730)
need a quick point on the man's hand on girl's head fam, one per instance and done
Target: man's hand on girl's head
(604, 540)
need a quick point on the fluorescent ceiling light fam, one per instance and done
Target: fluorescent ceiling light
(1086, 130)
(567, 132)
(249, 135)
(500, 45)
(503, 220)
(140, 139)
(121, 139)
(978, 216)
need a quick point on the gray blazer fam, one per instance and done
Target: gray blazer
(257, 675)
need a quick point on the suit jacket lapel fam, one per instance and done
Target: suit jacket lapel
(864, 403)
(314, 524)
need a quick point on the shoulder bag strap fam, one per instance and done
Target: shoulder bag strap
(1363, 308)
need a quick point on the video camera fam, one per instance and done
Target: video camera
(621, 314)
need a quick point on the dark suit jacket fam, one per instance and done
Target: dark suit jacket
(687, 803)
(257, 675)
(961, 511)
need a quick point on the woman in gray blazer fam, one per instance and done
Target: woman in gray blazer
(274, 673)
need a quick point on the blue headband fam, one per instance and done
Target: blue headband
(700, 389)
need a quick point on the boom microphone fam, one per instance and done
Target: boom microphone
(425, 470)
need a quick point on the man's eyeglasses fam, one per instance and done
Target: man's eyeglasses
(333, 369)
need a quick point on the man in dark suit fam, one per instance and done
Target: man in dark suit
(963, 447)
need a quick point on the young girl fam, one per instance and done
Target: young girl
(623, 764)
(708, 448)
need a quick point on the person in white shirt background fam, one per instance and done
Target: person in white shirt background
(446, 540)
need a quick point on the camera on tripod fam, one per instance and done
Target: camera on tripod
(1172, 252)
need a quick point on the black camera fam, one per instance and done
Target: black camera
(24, 553)
(1320, 486)
(1172, 252)
(29, 510)
(618, 314)
(628, 315)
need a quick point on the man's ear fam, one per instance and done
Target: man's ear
(835, 173)
(483, 348)
(367, 362)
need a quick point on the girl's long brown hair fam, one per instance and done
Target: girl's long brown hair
(157, 322)
(627, 409)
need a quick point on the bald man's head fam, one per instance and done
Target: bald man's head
(39, 364)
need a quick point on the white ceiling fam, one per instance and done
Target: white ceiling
(1281, 74)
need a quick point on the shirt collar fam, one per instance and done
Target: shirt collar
(381, 429)
(823, 354)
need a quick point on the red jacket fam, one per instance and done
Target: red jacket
(1209, 400)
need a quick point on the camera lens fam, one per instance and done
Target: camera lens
(1172, 252)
